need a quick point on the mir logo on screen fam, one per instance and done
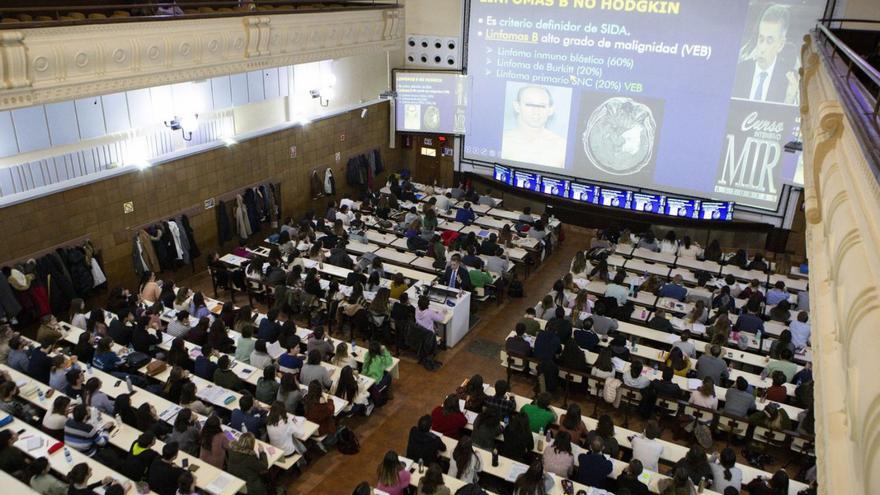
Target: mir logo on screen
(751, 158)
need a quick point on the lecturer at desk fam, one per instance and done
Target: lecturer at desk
(456, 275)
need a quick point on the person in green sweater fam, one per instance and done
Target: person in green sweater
(783, 364)
(245, 345)
(480, 278)
(225, 377)
(531, 324)
(376, 361)
(539, 413)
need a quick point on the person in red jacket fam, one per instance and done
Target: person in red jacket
(448, 418)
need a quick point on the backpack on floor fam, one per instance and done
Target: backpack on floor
(515, 289)
(347, 442)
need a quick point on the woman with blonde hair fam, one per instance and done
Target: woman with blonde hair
(245, 463)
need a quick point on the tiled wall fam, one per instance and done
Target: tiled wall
(96, 209)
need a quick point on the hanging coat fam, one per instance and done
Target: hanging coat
(98, 276)
(183, 240)
(80, 272)
(315, 184)
(329, 183)
(51, 276)
(174, 230)
(149, 253)
(224, 230)
(242, 224)
(191, 238)
(160, 245)
(253, 216)
(9, 305)
(138, 257)
(378, 168)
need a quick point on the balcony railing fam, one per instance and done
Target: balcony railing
(856, 81)
(51, 13)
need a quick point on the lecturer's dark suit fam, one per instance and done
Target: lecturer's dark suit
(778, 83)
(462, 278)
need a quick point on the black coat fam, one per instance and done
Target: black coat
(60, 289)
(80, 272)
(224, 230)
(193, 247)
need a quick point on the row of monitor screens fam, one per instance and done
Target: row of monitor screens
(617, 198)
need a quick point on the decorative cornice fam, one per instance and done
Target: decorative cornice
(45, 65)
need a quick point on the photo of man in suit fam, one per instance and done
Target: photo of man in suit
(764, 73)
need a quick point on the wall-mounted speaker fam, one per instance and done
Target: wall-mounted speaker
(431, 51)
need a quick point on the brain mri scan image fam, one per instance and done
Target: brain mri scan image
(619, 136)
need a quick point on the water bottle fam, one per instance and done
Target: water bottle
(128, 384)
(495, 457)
(89, 368)
(67, 456)
(758, 338)
(118, 418)
(421, 465)
(548, 436)
(353, 348)
(243, 428)
(40, 394)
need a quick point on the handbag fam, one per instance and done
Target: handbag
(155, 367)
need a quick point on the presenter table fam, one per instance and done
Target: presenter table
(454, 302)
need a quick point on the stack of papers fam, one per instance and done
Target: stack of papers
(694, 383)
(516, 469)
(219, 484)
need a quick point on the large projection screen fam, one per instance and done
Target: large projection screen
(696, 97)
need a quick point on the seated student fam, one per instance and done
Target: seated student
(179, 326)
(800, 330)
(674, 289)
(618, 347)
(81, 434)
(753, 291)
(749, 321)
(471, 259)
(122, 327)
(12, 460)
(393, 477)
(517, 344)
(539, 413)
(465, 214)
(558, 457)
(248, 416)
(447, 419)
(783, 364)
(532, 326)
(291, 361)
(163, 474)
(777, 294)
(711, 365)
(560, 325)
(593, 467)
(616, 289)
(318, 342)
(629, 479)
(777, 392)
(603, 324)
(660, 322)
(649, 242)
(634, 377)
(490, 245)
(314, 371)
(269, 328)
(225, 377)
(679, 363)
(585, 337)
(572, 357)
(42, 481)
(758, 263)
(260, 357)
(547, 346)
(423, 445)
(665, 387)
(781, 312)
(646, 448)
(203, 366)
(245, 344)
(739, 401)
(140, 456)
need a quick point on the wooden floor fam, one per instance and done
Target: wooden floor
(418, 391)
